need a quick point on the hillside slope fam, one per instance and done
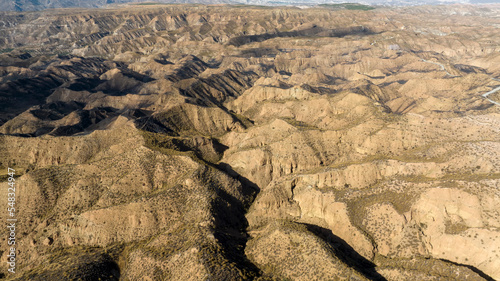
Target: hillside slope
(231, 143)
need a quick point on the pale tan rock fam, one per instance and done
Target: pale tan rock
(440, 211)
(243, 143)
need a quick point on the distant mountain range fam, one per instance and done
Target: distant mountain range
(34, 5)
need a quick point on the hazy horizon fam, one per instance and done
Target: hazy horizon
(34, 5)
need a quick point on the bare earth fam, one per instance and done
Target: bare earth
(190, 142)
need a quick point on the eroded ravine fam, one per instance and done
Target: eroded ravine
(207, 148)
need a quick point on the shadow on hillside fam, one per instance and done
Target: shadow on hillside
(314, 31)
(479, 272)
(88, 266)
(346, 253)
(231, 226)
(249, 187)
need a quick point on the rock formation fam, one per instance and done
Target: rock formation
(190, 143)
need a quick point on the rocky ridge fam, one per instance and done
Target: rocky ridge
(306, 145)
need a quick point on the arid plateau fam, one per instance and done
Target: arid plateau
(219, 142)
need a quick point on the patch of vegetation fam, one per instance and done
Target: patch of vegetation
(348, 6)
(76, 263)
(258, 52)
(467, 176)
(221, 263)
(6, 50)
(180, 240)
(253, 7)
(245, 121)
(300, 125)
(147, 4)
(158, 142)
(446, 270)
(207, 152)
(357, 208)
(454, 228)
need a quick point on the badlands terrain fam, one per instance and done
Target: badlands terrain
(190, 142)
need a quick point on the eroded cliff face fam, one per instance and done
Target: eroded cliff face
(190, 143)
